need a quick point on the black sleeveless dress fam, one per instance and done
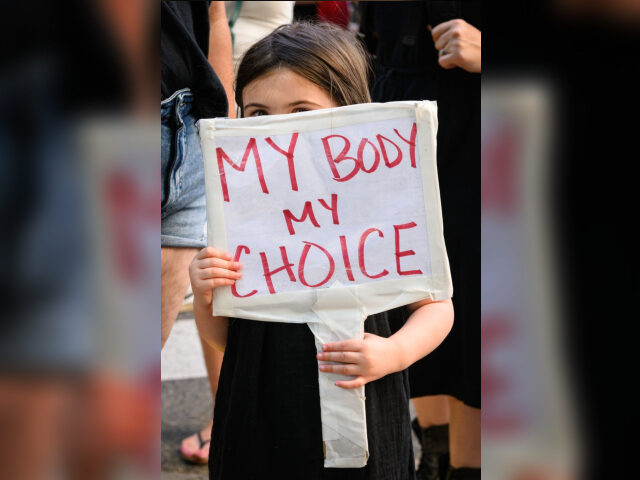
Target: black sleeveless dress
(267, 410)
(407, 68)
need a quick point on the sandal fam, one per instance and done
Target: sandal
(196, 457)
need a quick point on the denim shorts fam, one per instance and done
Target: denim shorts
(183, 208)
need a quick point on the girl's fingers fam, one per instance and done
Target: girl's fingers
(346, 345)
(219, 282)
(342, 369)
(218, 262)
(215, 272)
(343, 357)
(212, 252)
(347, 384)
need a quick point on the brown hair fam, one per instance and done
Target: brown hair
(324, 54)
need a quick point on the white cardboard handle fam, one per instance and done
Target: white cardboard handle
(344, 418)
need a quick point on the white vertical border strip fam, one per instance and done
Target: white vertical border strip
(427, 118)
(216, 225)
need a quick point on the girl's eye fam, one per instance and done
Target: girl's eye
(258, 113)
(300, 109)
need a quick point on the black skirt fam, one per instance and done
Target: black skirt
(267, 411)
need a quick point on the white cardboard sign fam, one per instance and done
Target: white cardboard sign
(335, 215)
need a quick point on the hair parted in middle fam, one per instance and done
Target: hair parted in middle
(324, 54)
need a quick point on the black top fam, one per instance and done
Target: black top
(185, 46)
(267, 420)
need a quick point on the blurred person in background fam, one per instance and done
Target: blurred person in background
(558, 108)
(66, 409)
(252, 21)
(431, 50)
(197, 77)
(325, 11)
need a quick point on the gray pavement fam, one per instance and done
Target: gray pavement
(186, 408)
(186, 399)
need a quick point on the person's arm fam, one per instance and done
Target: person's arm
(213, 329)
(210, 269)
(459, 44)
(374, 357)
(221, 51)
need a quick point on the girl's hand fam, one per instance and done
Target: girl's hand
(458, 44)
(368, 359)
(211, 268)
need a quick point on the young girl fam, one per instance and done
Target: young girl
(267, 411)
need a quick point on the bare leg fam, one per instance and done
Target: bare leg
(190, 447)
(174, 282)
(464, 435)
(213, 361)
(432, 410)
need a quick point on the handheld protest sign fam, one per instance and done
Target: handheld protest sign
(335, 215)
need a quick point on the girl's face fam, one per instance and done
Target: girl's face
(283, 91)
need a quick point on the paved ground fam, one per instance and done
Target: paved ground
(186, 401)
